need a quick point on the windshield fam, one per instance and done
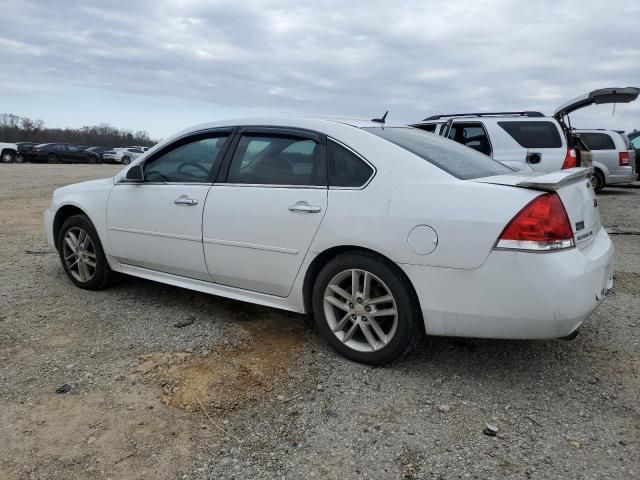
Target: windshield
(460, 161)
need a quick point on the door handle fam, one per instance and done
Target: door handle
(305, 207)
(184, 200)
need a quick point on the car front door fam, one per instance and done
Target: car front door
(265, 209)
(157, 223)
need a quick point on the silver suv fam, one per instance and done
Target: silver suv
(525, 140)
(613, 157)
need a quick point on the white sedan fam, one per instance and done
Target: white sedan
(122, 155)
(377, 230)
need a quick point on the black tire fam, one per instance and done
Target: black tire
(19, 158)
(408, 313)
(8, 156)
(103, 275)
(597, 180)
(92, 160)
(51, 158)
(126, 160)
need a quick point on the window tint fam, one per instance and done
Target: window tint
(636, 142)
(598, 141)
(190, 162)
(428, 128)
(268, 159)
(472, 136)
(345, 168)
(459, 161)
(533, 134)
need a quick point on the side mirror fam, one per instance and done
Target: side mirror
(135, 174)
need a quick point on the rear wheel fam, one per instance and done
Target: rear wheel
(126, 160)
(92, 160)
(82, 255)
(597, 180)
(51, 158)
(7, 156)
(364, 309)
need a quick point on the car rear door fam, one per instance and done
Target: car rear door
(265, 209)
(157, 223)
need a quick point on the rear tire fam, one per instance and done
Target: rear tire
(377, 323)
(52, 159)
(597, 181)
(81, 254)
(126, 160)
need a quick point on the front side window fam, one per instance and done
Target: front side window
(455, 159)
(346, 169)
(598, 141)
(188, 162)
(273, 159)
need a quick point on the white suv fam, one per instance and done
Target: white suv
(524, 140)
(613, 157)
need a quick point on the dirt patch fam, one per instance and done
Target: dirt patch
(228, 377)
(626, 281)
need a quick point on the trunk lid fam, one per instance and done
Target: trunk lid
(573, 188)
(598, 97)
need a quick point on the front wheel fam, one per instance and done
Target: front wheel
(7, 157)
(126, 160)
(82, 255)
(19, 158)
(364, 308)
(52, 159)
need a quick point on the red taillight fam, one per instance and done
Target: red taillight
(542, 225)
(570, 160)
(623, 159)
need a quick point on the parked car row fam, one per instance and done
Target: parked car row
(532, 141)
(66, 153)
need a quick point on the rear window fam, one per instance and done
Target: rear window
(533, 134)
(453, 158)
(598, 141)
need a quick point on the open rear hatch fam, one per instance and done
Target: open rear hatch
(574, 189)
(598, 97)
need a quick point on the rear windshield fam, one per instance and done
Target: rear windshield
(598, 141)
(460, 161)
(533, 134)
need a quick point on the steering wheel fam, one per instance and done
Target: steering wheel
(193, 164)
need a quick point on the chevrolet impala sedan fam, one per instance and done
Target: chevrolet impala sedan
(376, 230)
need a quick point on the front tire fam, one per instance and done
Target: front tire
(365, 309)
(81, 254)
(52, 159)
(19, 158)
(597, 181)
(7, 157)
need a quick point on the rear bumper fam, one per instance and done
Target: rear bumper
(516, 295)
(621, 175)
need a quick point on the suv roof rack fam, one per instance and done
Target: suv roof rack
(601, 129)
(486, 114)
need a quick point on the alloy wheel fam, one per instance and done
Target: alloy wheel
(79, 254)
(360, 310)
(7, 157)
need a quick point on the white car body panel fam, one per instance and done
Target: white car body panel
(248, 246)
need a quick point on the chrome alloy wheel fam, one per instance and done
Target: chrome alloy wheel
(79, 254)
(360, 310)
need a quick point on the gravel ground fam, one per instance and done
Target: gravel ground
(139, 360)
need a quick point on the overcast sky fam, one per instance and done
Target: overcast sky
(162, 65)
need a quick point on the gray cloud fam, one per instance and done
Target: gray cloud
(414, 58)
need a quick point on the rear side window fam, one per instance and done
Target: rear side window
(635, 142)
(455, 159)
(598, 141)
(428, 128)
(533, 134)
(273, 159)
(346, 169)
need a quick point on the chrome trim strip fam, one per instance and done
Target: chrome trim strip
(268, 248)
(262, 185)
(156, 234)
(129, 182)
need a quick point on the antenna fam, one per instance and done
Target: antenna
(381, 120)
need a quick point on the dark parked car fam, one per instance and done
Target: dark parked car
(64, 153)
(25, 151)
(634, 138)
(99, 151)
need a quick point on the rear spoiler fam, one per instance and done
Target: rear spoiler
(540, 181)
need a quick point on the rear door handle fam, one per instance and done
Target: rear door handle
(184, 200)
(305, 207)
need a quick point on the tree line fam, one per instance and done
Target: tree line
(14, 128)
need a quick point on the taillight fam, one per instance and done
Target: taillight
(542, 225)
(623, 159)
(570, 160)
